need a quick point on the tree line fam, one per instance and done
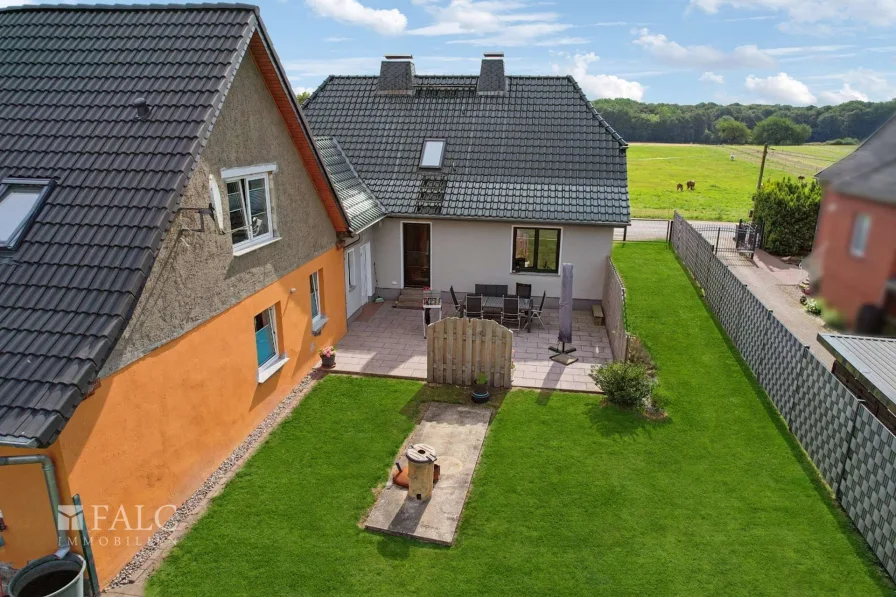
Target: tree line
(737, 123)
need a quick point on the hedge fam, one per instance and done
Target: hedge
(789, 210)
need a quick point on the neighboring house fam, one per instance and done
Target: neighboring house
(139, 344)
(492, 179)
(867, 366)
(854, 257)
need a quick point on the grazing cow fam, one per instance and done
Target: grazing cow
(691, 185)
(801, 178)
(732, 157)
(680, 187)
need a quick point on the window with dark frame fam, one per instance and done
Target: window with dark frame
(20, 200)
(433, 153)
(536, 250)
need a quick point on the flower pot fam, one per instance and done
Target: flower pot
(480, 393)
(328, 361)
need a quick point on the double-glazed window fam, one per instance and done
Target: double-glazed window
(536, 250)
(249, 204)
(861, 228)
(266, 337)
(433, 153)
(20, 200)
(316, 308)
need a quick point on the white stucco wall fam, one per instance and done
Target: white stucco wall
(466, 253)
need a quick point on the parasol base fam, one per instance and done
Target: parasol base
(563, 353)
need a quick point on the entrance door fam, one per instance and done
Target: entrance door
(416, 254)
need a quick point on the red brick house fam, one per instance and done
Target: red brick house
(855, 244)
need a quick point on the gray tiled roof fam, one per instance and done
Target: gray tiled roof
(537, 152)
(360, 205)
(68, 78)
(869, 171)
(871, 359)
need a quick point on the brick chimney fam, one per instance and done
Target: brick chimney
(492, 80)
(396, 75)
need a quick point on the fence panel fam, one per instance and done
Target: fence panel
(613, 304)
(457, 350)
(854, 452)
(868, 492)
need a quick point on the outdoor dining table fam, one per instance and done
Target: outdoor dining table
(497, 302)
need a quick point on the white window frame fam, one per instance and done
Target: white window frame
(444, 143)
(556, 274)
(11, 185)
(861, 231)
(351, 266)
(320, 318)
(253, 242)
(276, 362)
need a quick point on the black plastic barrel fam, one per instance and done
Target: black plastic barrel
(50, 577)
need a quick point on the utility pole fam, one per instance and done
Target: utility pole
(762, 166)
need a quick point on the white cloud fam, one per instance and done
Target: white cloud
(386, 21)
(846, 94)
(496, 23)
(780, 89)
(299, 90)
(711, 77)
(599, 86)
(333, 40)
(610, 24)
(875, 85)
(671, 52)
(789, 51)
(879, 13)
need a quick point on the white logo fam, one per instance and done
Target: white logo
(67, 518)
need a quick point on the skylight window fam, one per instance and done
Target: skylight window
(433, 152)
(20, 200)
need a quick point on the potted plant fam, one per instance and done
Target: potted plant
(327, 357)
(480, 388)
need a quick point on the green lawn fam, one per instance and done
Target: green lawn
(724, 188)
(570, 497)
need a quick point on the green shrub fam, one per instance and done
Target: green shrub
(625, 384)
(843, 141)
(789, 210)
(832, 318)
(812, 306)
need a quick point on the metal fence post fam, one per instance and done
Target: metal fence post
(718, 237)
(624, 233)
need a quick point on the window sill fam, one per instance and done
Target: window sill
(317, 325)
(547, 274)
(237, 252)
(267, 371)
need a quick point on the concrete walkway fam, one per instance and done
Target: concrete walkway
(646, 230)
(775, 283)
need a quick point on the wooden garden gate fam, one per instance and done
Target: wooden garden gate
(459, 349)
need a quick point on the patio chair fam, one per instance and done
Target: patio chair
(474, 307)
(458, 308)
(511, 312)
(524, 291)
(536, 313)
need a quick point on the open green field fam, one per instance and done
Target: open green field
(570, 497)
(724, 188)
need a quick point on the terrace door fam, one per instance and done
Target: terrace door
(416, 254)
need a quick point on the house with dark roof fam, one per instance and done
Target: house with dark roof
(170, 259)
(465, 180)
(854, 254)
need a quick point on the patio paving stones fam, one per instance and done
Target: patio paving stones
(391, 343)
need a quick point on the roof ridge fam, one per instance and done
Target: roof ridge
(130, 7)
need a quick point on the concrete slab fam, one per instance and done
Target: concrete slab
(457, 433)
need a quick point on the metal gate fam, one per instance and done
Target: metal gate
(743, 237)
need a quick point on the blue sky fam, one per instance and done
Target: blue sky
(684, 51)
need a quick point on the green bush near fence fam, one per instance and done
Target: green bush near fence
(789, 210)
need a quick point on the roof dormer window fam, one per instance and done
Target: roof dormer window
(432, 154)
(20, 200)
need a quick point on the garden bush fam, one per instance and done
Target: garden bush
(843, 141)
(789, 210)
(625, 384)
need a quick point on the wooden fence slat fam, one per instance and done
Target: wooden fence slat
(438, 333)
(430, 355)
(507, 359)
(449, 351)
(468, 352)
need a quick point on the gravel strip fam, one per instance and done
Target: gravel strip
(221, 475)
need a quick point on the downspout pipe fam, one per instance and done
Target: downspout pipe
(52, 489)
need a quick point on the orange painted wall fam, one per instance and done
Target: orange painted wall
(155, 430)
(847, 281)
(26, 508)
